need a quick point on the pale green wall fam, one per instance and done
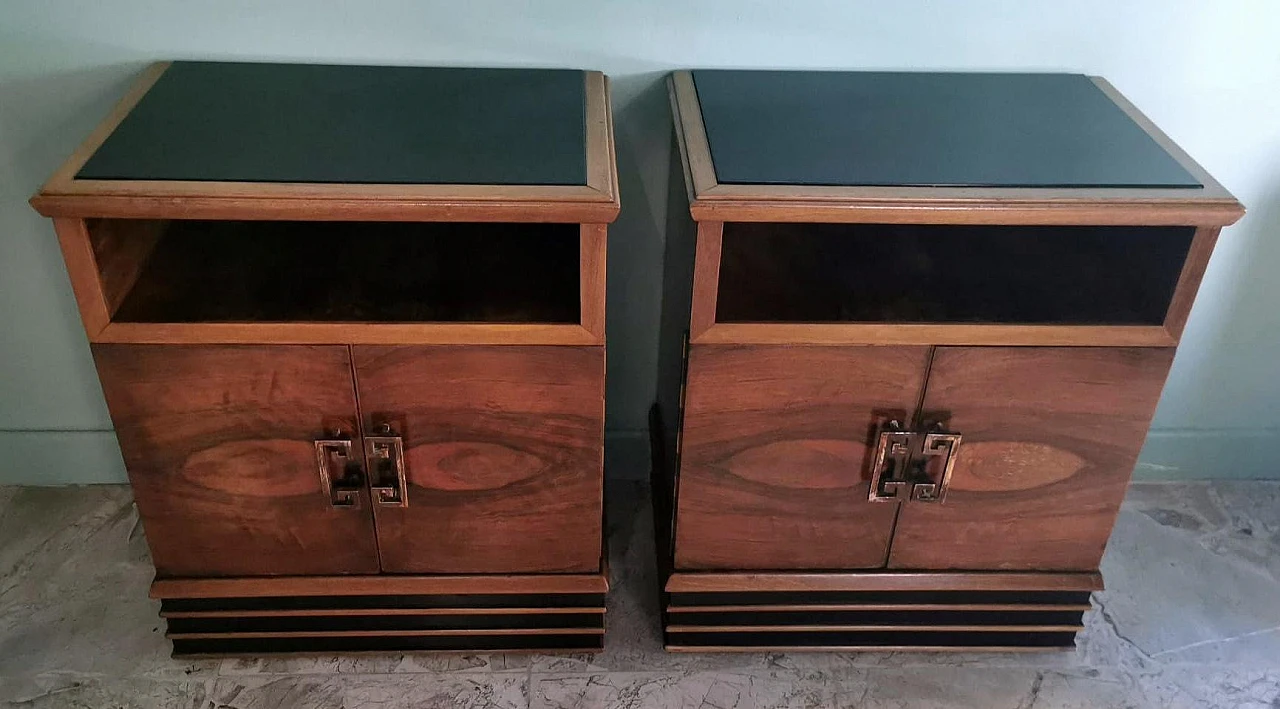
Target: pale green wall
(1207, 72)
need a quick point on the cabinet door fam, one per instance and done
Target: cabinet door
(503, 456)
(776, 456)
(1050, 438)
(219, 444)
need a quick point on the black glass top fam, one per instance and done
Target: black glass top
(934, 129)
(352, 124)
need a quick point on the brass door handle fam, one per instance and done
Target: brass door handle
(913, 465)
(892, 456)
(340, 476)
(385, 456)
(938, 458)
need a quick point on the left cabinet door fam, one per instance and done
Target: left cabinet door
(219, 442)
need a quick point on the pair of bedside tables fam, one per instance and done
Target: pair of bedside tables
(349, 322)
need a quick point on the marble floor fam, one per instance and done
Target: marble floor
(1191, 618)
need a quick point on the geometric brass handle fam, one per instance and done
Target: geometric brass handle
(890, 467)
(913, 465)
(385, 455)
(340, 476)
(937, 459)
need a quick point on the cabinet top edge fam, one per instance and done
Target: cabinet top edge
(711, 200)
(592, 199)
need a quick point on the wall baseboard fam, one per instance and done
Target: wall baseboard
(1200, 454)
(60, 458)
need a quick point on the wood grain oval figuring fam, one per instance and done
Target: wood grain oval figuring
(815, 464)
(255, 468)
(469, 465)
(1006, 465)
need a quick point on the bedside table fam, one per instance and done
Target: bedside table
(915, 327)
(349, 322)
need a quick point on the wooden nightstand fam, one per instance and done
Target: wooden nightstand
(914, 330)
(349, 322)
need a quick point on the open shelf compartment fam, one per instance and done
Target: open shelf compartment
(949, 274)
(270, 271)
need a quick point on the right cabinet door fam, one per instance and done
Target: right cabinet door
(502, 453)
(1050, 438)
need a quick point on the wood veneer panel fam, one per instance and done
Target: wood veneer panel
(121, 249)
(593, 248)
(356, 333)
(931, 334)
(776, 455)
(504, 456)
(399, 585)
(82, 268)
(895, 581)
(1051, 436)
(1189, 280)
(218, 442)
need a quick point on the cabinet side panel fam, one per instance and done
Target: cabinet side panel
(503, 454)
(1050, 438)
(776, 465)
(218, 441)
(677, 296)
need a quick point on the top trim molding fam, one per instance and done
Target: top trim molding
(1211, 205)
(596, 202)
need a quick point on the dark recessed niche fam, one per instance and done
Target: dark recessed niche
(277, 271)
(883, 273)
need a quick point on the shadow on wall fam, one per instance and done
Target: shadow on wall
(54, 427)
(642, 128)
(1226, 371)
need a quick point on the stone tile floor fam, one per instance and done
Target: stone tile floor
(1191, 618)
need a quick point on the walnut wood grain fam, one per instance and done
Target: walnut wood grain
(593, 247)
(82, 268)
(776, 455)
(386, 585)
(706, 279)
(1193, 270)
(356, 333)
(218, 442)
(1051, 436)
(504, 456)
(930, 334)
(121, 249)
(882, 581)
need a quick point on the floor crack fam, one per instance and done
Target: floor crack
(1029, 701)
(1111, 623)
(1215, 641)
